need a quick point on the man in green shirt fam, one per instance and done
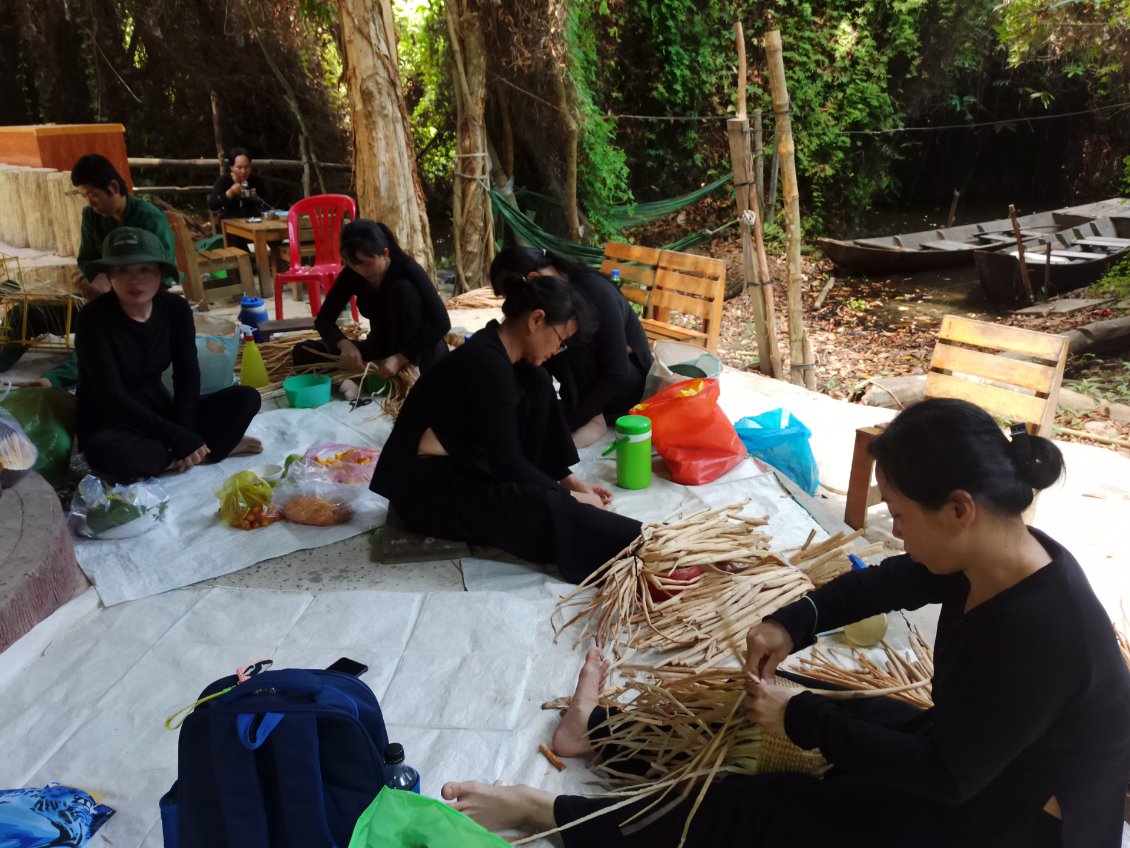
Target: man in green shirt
(109, 205)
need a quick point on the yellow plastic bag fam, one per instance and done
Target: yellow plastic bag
(245, 501)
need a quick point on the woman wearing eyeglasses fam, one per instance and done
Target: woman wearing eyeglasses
(481, 452)
(601, 377)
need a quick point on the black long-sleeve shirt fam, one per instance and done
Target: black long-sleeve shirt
(595, 372)
(120, 362)
(472, 400)
(238, 206)
(405, 313)
(1032, 699)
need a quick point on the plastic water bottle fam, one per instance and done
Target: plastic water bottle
(252, 369)
(616, 281)
(400, 774)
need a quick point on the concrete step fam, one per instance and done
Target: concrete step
(38, 570)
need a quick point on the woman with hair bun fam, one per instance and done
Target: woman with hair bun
(1028, 742)
(407, 320)
(481, 453)
(602, 377)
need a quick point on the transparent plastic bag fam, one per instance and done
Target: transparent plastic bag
(325, 482)
(99, 511)
(245, 501)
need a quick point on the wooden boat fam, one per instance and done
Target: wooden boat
(1069, 259)
(942, 248)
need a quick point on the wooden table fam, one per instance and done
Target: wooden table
(262, 234)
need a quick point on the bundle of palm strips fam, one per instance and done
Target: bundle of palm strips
(481, 298)
(278, 357)
(694, 586)
(895, 672)
(688, 728)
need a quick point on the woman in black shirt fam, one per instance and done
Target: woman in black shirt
(603, 376)
(480, 451)
(129, 426)
(407, 320)
(237, 194)
(1028, 742)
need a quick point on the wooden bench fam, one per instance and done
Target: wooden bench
(285, 325)
(666, 281)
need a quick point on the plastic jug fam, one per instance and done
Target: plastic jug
(633, 451)
(252, 311)
(252, 370)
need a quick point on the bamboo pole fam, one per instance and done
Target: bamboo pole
(764, 320)
(739, 35)
(759, 158)
(798, 365)
(210, 164)
(1024, 278)
(217, 135)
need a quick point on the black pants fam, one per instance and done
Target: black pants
(124, 454)
(793, 810)
(542, 524)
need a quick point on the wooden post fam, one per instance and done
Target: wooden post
(304, 155)
(953, 209)
(800, 369)
(740, 36)
(759, 158)
(1024, 278)
(216, 132)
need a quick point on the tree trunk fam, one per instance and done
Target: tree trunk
(388, 185)
(572, 134)
(473, 221)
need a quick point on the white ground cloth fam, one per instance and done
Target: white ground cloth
(194, 544)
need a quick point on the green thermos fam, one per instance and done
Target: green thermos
(633, 451)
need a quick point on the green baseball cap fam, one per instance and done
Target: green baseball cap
(134, 246)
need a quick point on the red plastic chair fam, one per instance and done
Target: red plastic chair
(327, 214)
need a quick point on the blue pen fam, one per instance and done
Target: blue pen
(856, 562)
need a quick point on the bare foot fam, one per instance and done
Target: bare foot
(501, 807)
(571, 738)
(247, 445)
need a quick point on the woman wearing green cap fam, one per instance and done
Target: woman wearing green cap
(129, 426)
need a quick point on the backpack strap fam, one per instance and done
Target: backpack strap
(290, 773)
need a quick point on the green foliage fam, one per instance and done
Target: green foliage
(1114, 283)
(425, 70)
(602, 171)
(1110, 382)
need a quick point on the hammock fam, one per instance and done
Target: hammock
(531, 234)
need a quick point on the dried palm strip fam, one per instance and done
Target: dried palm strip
(399, 387)
(17, 453)
(897, 672)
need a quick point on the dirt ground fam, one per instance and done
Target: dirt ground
(866, 328)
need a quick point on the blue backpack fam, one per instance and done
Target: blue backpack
(288, 759)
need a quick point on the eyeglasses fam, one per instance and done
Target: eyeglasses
(562, 341)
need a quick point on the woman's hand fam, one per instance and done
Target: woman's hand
(765, 704)
(766, 645)
(350, 355)
(194, 458)
(234, 192)
(587, 492)
(390, 366)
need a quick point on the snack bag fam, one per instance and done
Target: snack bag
(245, 501)
(117, 512)
(343, 463)
(320, 488)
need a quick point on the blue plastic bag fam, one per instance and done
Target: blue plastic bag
(52, 816)
(780, 439)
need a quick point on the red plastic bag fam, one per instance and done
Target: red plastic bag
(691, 433)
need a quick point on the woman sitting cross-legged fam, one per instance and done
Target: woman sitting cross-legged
(481, 452)
(1028, 742)
(407, 320)
(129, 426)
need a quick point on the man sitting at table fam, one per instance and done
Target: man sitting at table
(109, 205)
